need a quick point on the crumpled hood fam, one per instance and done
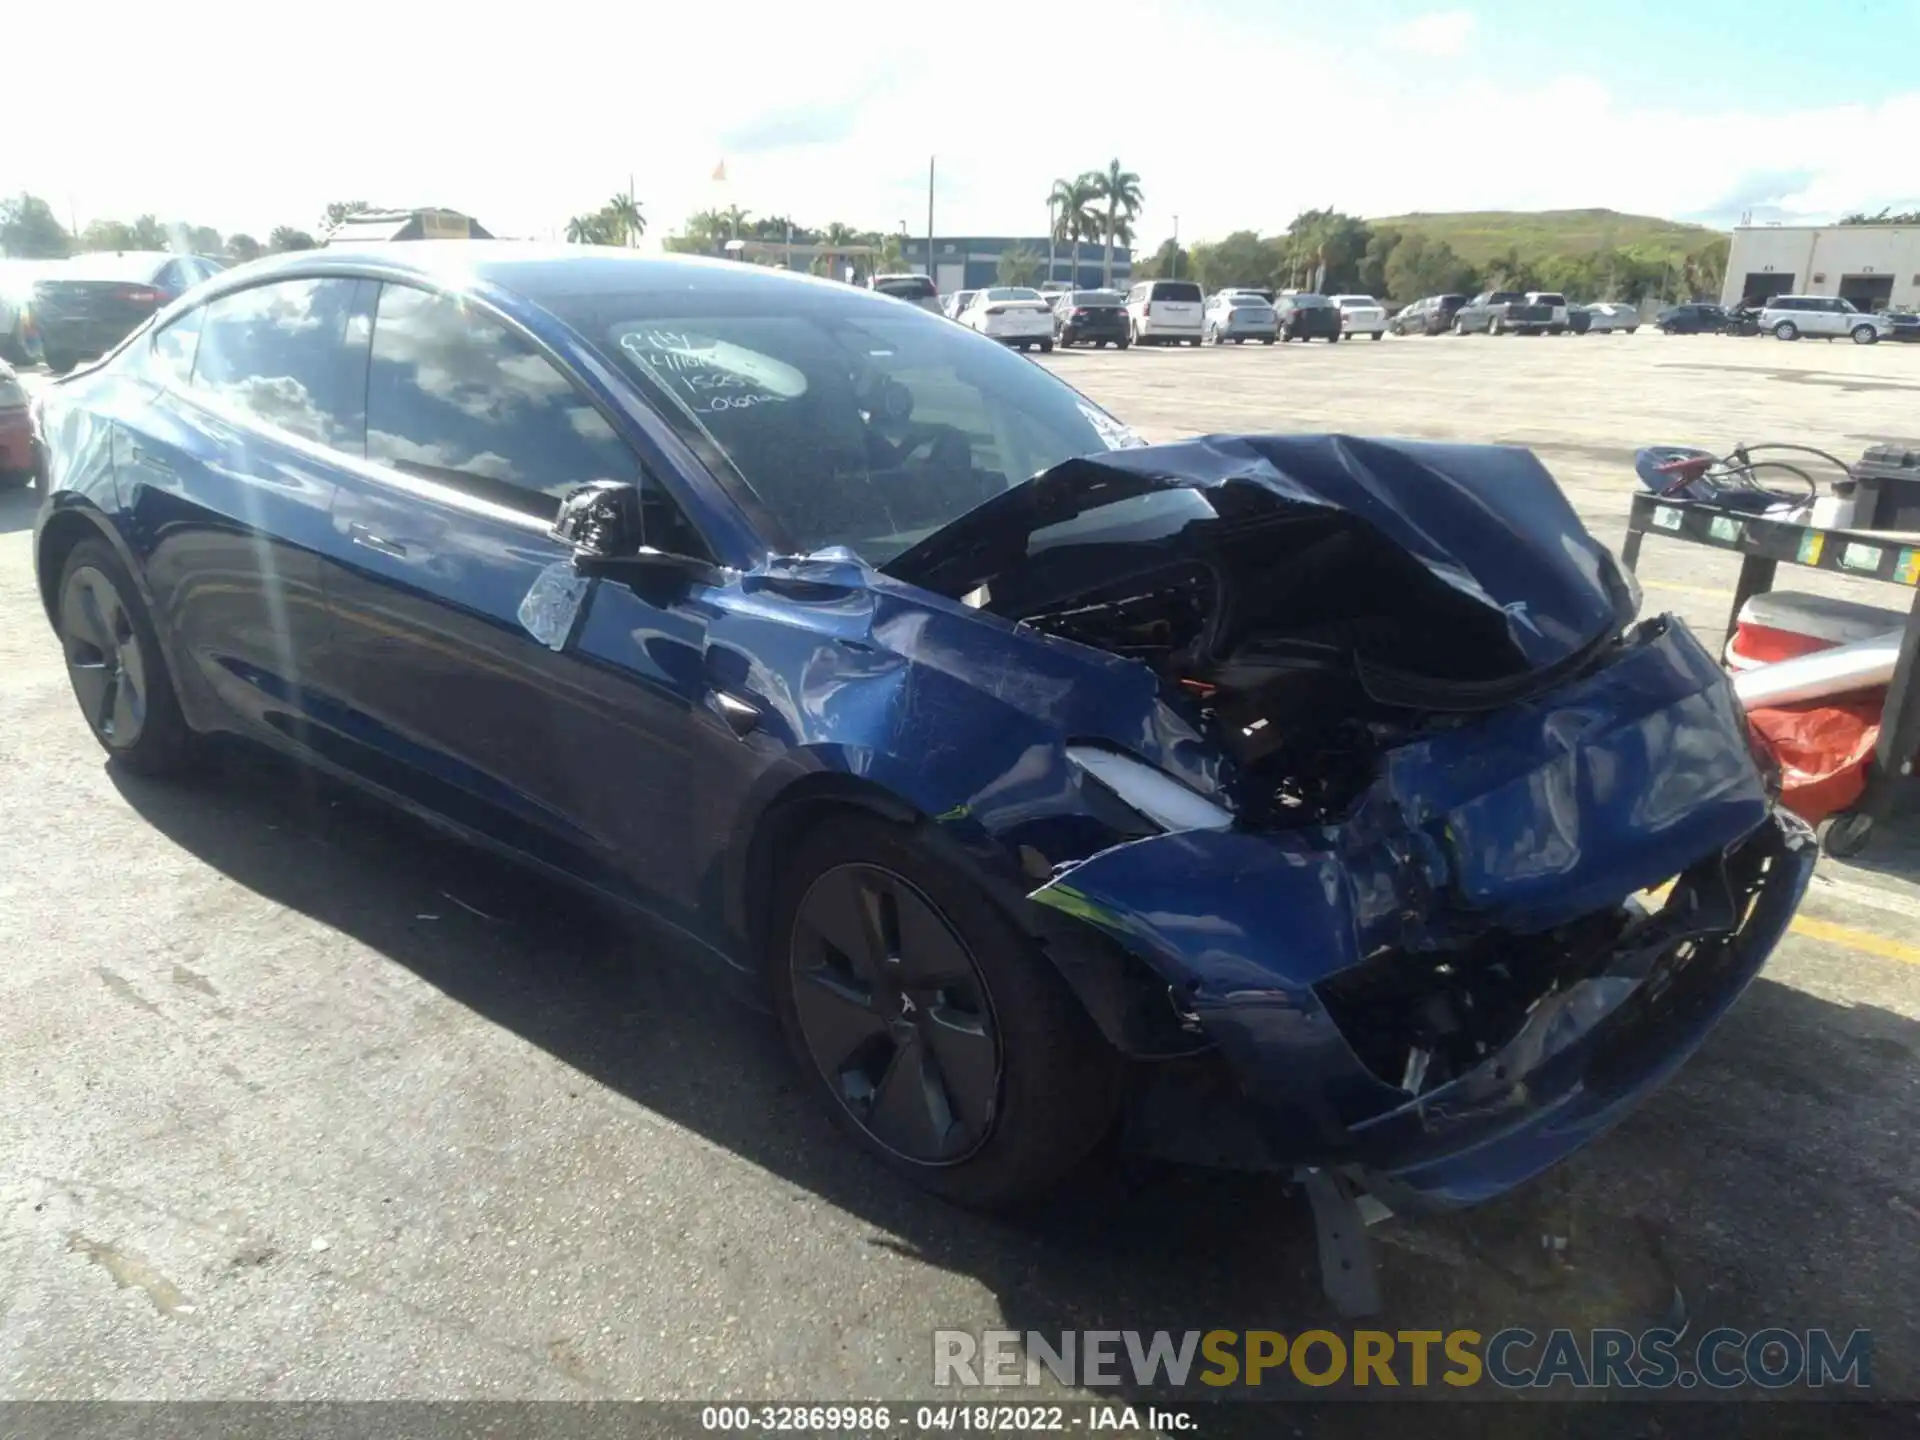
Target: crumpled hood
(1486, 520)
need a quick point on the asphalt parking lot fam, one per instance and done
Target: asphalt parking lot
(299, 1101)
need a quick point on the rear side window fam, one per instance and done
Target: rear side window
(1182, 292)
(457, 397)
(291, 354)
(907, 287)
(174, 347)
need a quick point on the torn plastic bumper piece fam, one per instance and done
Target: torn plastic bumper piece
(1534, 827)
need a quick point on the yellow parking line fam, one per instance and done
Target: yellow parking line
(1865, 941)
(1828, 933)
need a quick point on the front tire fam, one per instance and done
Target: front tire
(1786, 330)
(937, 1034)
(1865, 335)
(1377, 334)
(115, 665)
(1046, 347)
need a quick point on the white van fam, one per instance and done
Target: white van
(1166, 312)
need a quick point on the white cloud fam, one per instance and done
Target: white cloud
(1445, 34)
(523, 129)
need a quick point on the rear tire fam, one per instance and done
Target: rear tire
(116, 667)
(1266, 339)
(1046, 347)
(1377, 334)
(1014, 1085)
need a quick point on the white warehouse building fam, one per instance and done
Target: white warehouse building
(1874, 266)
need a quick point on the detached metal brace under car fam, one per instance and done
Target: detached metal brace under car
(1404, 763)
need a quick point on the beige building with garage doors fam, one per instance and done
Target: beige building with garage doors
(1874, 266)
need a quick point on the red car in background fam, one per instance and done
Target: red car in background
(18, 458)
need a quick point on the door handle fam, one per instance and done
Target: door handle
(361, 535)
(151, 459)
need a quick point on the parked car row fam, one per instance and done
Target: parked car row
(1789, 317)
(64, 312)
(1159, 312)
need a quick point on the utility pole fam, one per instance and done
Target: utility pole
(1176, 247)
(930, 160)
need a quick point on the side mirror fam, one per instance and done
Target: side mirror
(604, 523)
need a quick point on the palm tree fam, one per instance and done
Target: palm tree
(583, 230)
(1061, 200)
(624, 218)
(1074, 220)
(735, 218)
(1119, 190)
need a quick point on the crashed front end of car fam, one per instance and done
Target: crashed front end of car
(1400, 892)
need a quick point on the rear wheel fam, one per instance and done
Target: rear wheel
(1266, 339)
(115, 666)
(1376, 334)
(1046, 347)
(937, 1035)
(1123, 344)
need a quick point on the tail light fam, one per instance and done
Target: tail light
(140, 295)
(1081, 314)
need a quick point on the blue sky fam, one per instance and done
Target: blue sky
(524, 115)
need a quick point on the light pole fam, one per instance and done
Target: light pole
(1176, 247)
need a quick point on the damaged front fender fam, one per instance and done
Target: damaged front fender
(1442, 970)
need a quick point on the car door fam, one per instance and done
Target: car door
(228, 476)
(461, 696)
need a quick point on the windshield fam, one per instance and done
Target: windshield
(1013, 292)
(1310, 302)
(869, 430)
(1548, 297)
(1354, 300)
(1098, 297)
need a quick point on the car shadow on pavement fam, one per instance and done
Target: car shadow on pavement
(1768, 1184)
(18, 505)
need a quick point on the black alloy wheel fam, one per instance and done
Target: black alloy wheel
(115, 667)
(895, 1014)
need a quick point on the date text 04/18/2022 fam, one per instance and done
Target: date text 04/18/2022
(881, 1419)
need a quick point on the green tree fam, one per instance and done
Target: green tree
(1118, 191)
(28, 229)
(201, 239)
(624, 222)
(1578, 277)
(1169, 262)
(1242, 259)
(244, 248)
(1019, 267)
(1885, 217)
(735, 217)
(1324, 249)
(892, 258)
(285, 237)
(1417, 267)
(150, 234)
(1069, 219)
(1705, 269)
(108, 235)
(1372, 271)
(586, 230)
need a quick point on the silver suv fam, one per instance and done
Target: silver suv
(1826, 316)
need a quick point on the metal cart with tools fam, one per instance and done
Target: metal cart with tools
(1890, 555)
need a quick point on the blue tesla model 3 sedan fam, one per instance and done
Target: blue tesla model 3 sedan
(1287, 798)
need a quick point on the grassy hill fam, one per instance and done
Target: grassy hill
(1478, 236)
